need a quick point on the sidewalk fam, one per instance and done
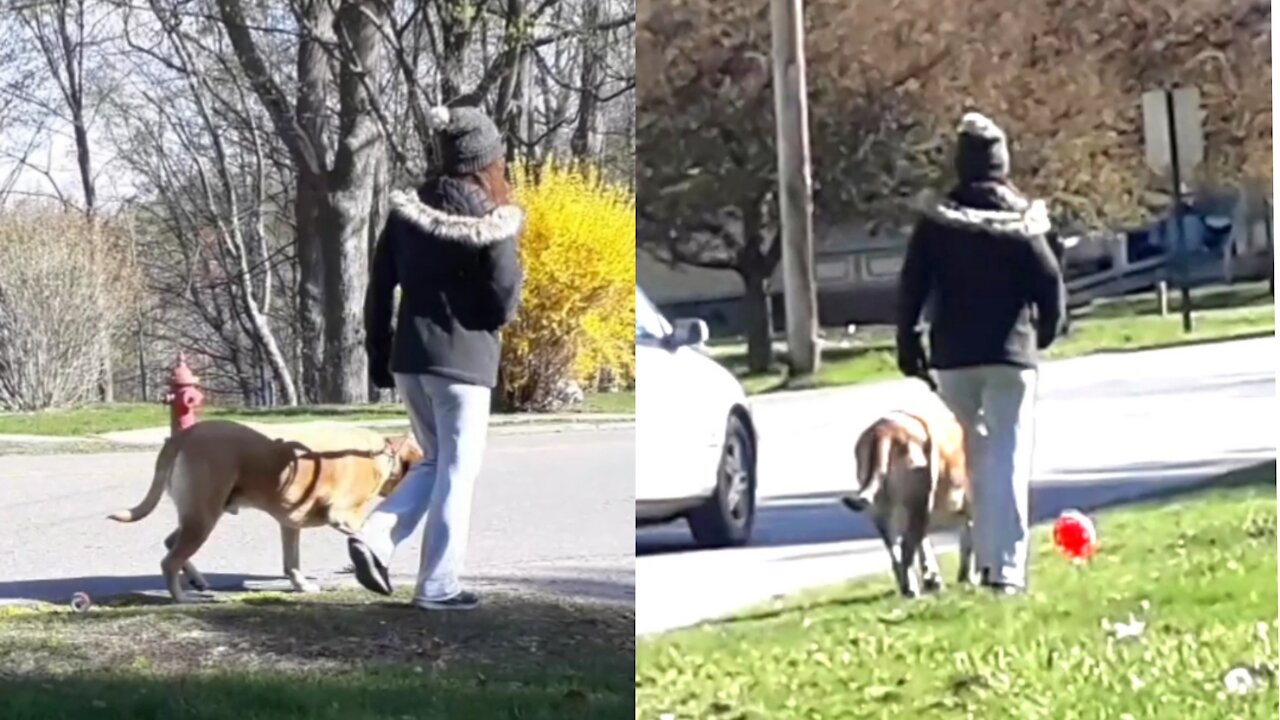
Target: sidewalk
(499, 424)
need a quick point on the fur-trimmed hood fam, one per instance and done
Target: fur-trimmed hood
(1023, 217)
(501, 223)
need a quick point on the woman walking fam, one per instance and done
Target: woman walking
(981, 259)
(451, 249)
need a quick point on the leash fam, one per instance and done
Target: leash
(930, 380)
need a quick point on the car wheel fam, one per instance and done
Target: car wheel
(726, 518)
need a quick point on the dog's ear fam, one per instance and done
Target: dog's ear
(412, 449)
(400, 447)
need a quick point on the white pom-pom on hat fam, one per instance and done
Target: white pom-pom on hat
(981, 126)
(438, 117)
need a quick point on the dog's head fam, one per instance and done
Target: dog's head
(402, 453)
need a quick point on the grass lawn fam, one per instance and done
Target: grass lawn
(1131, 323)
(94, 419)
(1199, 571)
(334, 655)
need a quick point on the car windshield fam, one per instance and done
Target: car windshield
(649, 322)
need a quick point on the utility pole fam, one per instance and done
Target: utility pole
(795, 196)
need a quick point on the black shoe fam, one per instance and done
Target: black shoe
(370, 571)
(1005, 589)
(464, 600)
(999, 588)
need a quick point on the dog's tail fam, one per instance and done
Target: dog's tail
(872, 453)
(164, 469)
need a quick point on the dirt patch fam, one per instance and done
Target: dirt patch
(328, 631)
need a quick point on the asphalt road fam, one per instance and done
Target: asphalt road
(553, 512)
(1109, 428)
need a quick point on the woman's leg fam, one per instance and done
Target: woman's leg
(961, 390)
(396, 517)
(402, 511)
(1008, 401)
(462, 425)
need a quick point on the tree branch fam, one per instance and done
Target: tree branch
(279, 109)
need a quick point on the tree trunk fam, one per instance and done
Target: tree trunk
(84, 161)
(377, 215)
(310, 292)
(265, 339)
(351, 186)
(592, 57)
(143, 388)
(757, 260)
(312, 96)
(758, 317)
(345, 279)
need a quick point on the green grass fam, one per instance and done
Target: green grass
(115, 417)
(621, 403)
(1131, 323)
(332, 656)
(1200, 571)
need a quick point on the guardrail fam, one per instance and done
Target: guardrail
(1089, 287)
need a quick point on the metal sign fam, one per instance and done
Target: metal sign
(1187, 116)
(1171, 121)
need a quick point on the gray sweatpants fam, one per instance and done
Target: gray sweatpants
(451, 422)
(996, 406)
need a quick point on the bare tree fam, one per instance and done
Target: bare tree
(887, 83)
(239, 230)
(338, 191)
(57, 301)
(250, 148)
(66, 32)
(199, 143)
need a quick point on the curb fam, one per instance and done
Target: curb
(499, 425)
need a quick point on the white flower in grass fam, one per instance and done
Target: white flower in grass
(1239, 681)
(1133, 628)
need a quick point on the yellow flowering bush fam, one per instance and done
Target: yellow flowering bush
(577, 314)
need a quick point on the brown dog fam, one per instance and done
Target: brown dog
(330, 475)
(912, 479)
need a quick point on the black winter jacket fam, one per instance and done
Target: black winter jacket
(453, 254)
(980, 258)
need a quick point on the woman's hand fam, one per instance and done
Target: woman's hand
(380, 372)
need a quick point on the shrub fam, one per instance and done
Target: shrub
(577, 314)
(64, 286)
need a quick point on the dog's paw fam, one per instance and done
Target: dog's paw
(198, 583)
(932, 584)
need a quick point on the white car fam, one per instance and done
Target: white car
(695, 439)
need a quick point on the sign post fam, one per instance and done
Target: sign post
(1175, 142)
(795, 199)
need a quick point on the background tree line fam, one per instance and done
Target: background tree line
(887, 83)
(235, 156)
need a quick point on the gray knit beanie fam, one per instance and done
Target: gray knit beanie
(469, 139)
(982, 151)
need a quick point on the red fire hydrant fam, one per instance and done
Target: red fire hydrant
(184, 398)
